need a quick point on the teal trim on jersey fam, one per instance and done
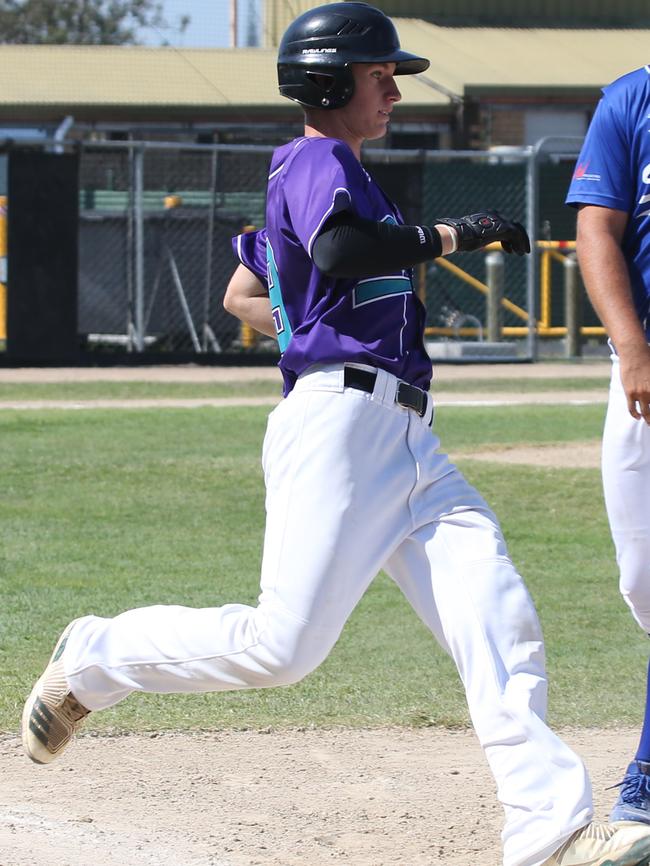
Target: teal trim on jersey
(280, 318)
(380, 287)
(375, 288)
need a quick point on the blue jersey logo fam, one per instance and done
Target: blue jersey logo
(280, 318)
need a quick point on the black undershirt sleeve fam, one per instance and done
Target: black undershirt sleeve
(349, 246)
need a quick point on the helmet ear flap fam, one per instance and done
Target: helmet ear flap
(323, 80)
(313, 86)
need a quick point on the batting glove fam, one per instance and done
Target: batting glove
(479, 229)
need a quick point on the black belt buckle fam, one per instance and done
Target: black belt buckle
(412, 398)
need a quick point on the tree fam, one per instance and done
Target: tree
(81, 22)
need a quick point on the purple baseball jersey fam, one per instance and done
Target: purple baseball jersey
(613, 171)
(321, 319)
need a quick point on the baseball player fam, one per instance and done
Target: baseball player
(611, 188)
(354, 478)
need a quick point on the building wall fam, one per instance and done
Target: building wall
(505, 125)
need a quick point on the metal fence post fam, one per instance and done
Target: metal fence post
(494, 278)
(138, 213)
(208, 335)
(562, 144)
(129, 258)
(3, 267)
(532, 263)
(572, 306)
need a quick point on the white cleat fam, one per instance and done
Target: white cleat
(52, 714)
(626, 843)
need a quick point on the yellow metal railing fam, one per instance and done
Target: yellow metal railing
(481, 287)
(549, 251)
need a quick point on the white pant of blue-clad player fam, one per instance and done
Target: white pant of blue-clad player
(354, 484)
(626, 482)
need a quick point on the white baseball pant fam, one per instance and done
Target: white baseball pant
(626, 483)
(355, 483)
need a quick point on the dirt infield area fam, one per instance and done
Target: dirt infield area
(421, 797)
(301, 798)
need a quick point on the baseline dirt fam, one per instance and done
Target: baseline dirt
(298, 798)
(570, 455)
(587, 368)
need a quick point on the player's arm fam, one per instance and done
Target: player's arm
(350, 246)
(247, 298)
(606, 278)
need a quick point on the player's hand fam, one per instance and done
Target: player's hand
(635, 376)
(479, 229)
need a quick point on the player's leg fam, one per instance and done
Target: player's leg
(459, 580)
(455, 570)
(331, 519)
(626, 484)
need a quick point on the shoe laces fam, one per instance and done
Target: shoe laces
(634, 787)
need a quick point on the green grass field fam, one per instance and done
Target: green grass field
(104, 510)
(138, 389)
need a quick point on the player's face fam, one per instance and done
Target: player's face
(375, 94)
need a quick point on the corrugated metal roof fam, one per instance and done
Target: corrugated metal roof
(102, 75)
(115, 75)
(462, 60)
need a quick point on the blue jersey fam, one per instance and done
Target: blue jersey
(613, 171)
(321, 319)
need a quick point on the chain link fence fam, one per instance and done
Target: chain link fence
(156, 223)
(457, 309)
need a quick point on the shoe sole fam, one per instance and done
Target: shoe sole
(637, 855)
(34, 705)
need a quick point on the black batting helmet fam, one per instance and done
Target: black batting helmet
(317, 49)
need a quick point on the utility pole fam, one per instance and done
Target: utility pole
(252, 38)
(233, 23)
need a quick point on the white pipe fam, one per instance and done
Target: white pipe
(62, 130)
(64, 127)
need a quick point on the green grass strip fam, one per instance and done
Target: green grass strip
(106, 390)
(106, 510)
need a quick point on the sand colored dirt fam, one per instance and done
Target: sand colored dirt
(299, 798)
(589, 368)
